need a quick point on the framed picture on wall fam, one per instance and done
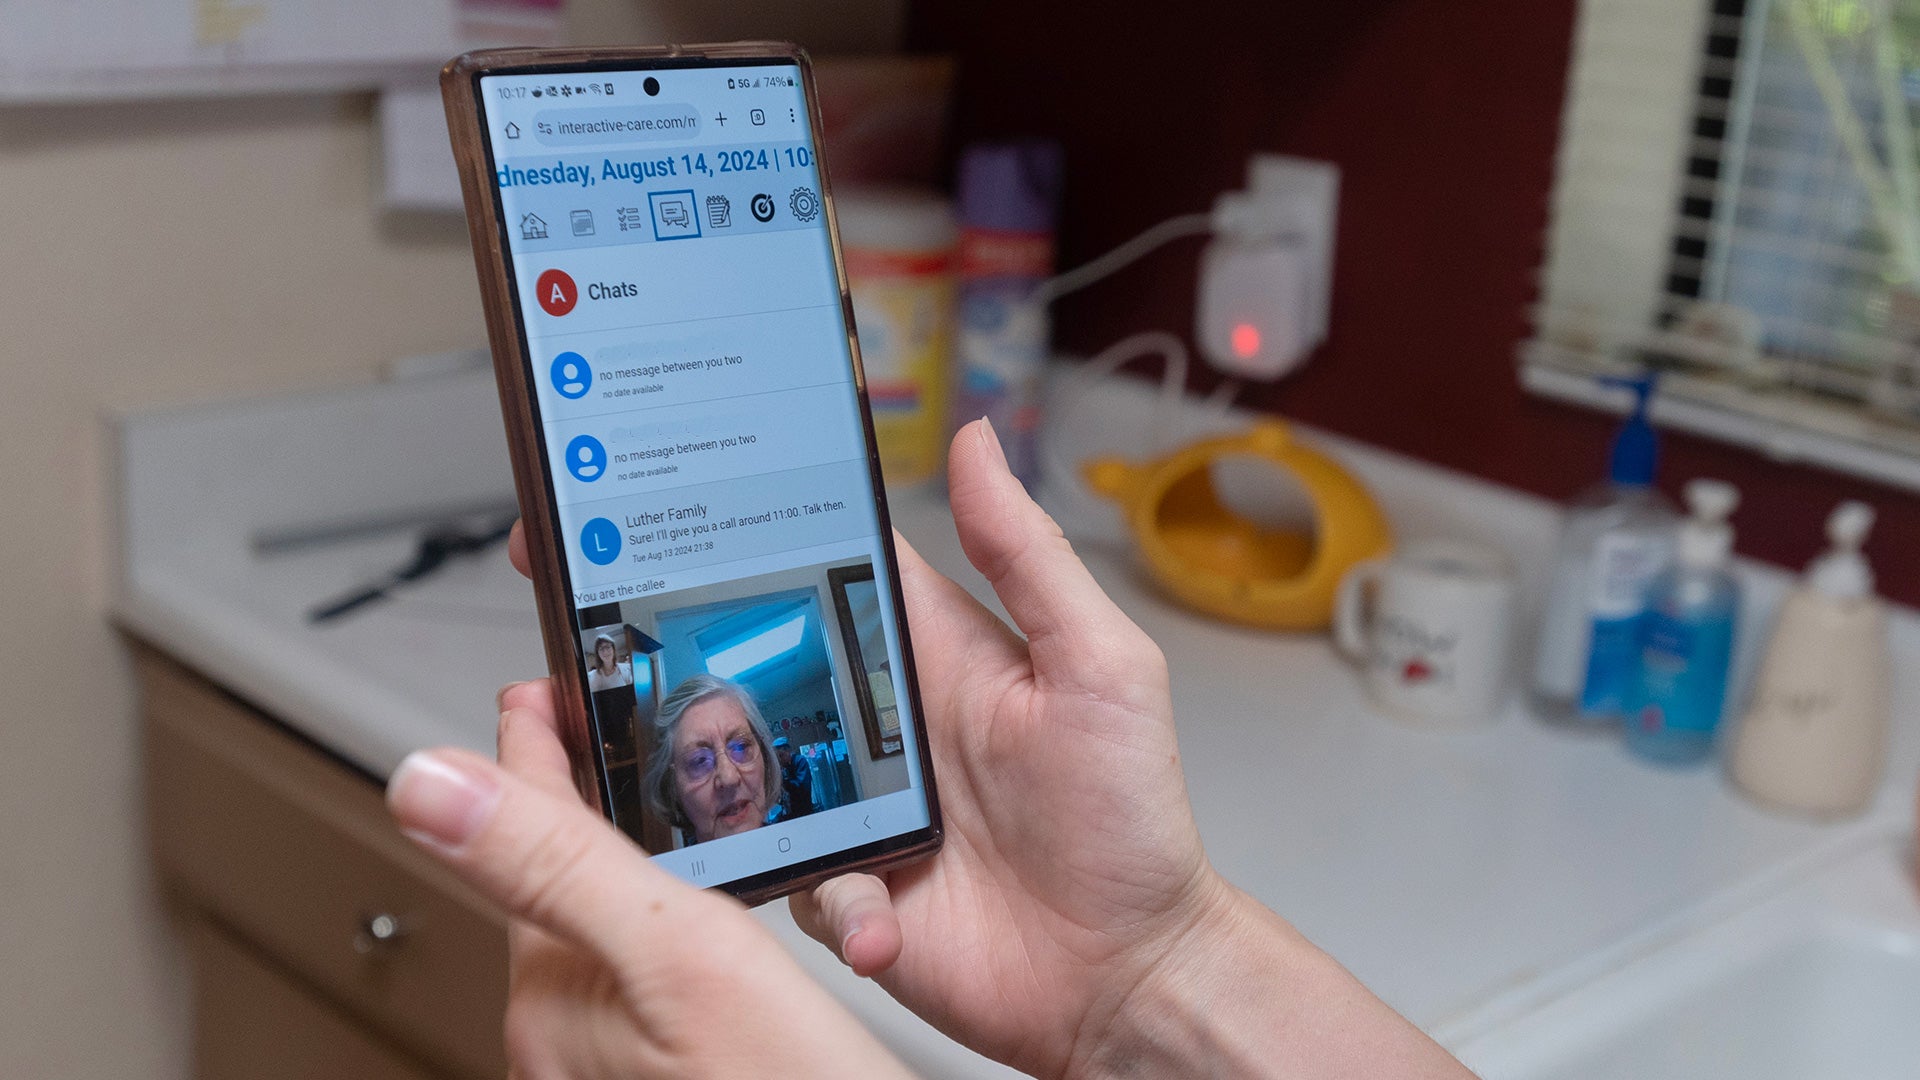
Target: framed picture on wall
(857, 599)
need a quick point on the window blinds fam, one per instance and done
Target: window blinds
(1737, 205)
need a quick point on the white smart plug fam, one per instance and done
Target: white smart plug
(1251, 314)
(1266, 278)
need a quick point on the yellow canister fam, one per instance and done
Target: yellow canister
(1214, 560)
(899, 248)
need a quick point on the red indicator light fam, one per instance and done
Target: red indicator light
(1246, 340)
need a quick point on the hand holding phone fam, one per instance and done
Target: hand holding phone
(1071, 924)
(1073, 860)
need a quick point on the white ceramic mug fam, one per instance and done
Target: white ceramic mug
(1433, 627)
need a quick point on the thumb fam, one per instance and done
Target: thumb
(542, 856)
(1078, 638)
(853, 915)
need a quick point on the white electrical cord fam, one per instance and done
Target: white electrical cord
(1173, 382)
(1063, 476)
(1221, 400)
(1089, 272)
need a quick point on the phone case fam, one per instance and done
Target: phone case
(458, 81)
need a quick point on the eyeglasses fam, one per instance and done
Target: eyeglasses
(698, 764)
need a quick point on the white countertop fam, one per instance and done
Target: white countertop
(1444, 868)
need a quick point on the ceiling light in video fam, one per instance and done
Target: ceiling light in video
(750, 652)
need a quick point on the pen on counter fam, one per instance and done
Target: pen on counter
(435, 549)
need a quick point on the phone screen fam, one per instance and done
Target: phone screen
(710, 462)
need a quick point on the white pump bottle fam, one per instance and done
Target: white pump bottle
(1814, 740)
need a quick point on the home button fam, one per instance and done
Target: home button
(786, 844)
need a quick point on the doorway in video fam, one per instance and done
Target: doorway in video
(734, 705)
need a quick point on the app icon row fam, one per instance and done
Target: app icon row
(678, 215)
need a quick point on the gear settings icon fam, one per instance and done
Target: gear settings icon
(805, 204)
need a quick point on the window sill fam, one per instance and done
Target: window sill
(1675, 408)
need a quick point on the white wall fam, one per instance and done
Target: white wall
(165, 253)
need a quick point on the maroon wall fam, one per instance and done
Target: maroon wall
(1443, 116)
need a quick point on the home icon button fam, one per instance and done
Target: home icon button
(786, 844)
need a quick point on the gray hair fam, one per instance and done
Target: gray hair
(657, 784)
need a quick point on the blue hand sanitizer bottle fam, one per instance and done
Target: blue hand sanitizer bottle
(1617, 538)
(1686, 638)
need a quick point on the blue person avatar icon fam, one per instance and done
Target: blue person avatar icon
(600, 541)
(571, 375)
(586, 459)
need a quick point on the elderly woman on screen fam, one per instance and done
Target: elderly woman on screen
(710, 775)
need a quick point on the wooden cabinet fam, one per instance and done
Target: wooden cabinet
(325, 944)
(252, 1021)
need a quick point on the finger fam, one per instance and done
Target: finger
(530, 694)
(517, 550)
(500, 695)
(954, 635)
(852, 915)
(541, 856)
(929, 592)
(538, 753)
(531, 750)
(1075, 633)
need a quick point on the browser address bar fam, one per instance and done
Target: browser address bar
(616, 123)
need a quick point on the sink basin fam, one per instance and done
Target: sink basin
(1818, 981)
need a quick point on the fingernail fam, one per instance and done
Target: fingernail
(992, 440)
(440, 804)
(500, 699)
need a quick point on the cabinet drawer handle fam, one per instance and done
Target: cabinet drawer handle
(379, 933)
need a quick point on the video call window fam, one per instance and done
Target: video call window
(732, 706)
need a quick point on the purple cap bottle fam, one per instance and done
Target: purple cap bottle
(1011, 187)
(1009, 194)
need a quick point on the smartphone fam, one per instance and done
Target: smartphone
(694, 455)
